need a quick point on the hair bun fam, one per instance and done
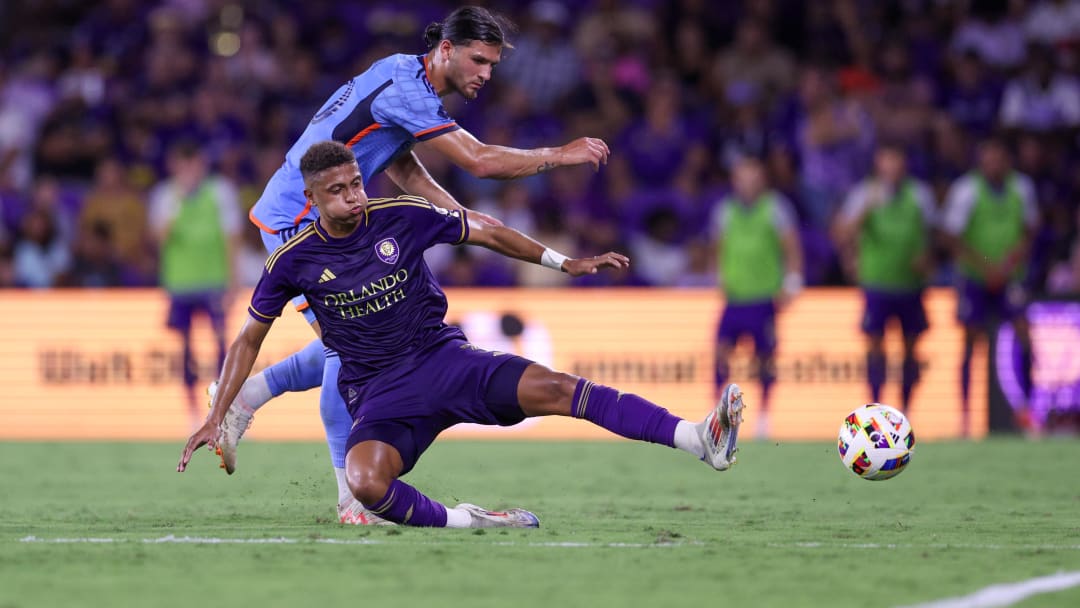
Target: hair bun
(433, 34)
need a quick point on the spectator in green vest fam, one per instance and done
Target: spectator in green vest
(989, 220)
(887, 221)
(195, 217)
(760, 262)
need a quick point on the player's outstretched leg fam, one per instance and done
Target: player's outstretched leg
(300, 371)
(543, 392)
(373, 468)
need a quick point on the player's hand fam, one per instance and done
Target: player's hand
(923, 265)
(585, 150)
(485, 218)
(996, 277)
(206, 435)
(782, 300)
(577, 267)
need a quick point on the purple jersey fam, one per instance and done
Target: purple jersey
(372, 293)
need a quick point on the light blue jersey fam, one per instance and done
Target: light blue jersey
(380, 114)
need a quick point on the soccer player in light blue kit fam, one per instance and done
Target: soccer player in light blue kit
(406, 374)
(380, 115)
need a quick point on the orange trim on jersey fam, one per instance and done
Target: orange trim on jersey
(303, 307)
(427, 74)
(433, 129)
(262, 226)
(300, 216)
(362, 134)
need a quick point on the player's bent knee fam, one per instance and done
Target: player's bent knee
(370, 468)
(367, 484)
(543, 392)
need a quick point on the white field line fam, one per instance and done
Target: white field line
(282, 540)
(210, 540)
(968, 546)
(1007, 594)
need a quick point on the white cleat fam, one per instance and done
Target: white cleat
(357, 514)
(234, 425)
(720, 429)
(511, 518)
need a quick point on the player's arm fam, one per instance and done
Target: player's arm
(853, 212)
(1019, 254)
(793, 262)
(501, 162)
(787, 228)
(513, 244)
(413, 178)
(162, 213)
(238, 363)
(959, 203)
(231, 218)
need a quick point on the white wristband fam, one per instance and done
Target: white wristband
(553, 259)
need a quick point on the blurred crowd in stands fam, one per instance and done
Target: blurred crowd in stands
(94, 94)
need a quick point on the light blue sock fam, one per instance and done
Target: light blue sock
(335, 416)
(299, 371)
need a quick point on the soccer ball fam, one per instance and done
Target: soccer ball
(876, 442)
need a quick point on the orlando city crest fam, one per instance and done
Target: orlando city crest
(387, 250)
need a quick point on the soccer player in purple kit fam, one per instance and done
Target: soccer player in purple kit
(381, 115)
(406, 375)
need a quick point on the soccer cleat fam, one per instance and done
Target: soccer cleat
(356, 514)
(720, 429)
(511, 518)
(234, 425)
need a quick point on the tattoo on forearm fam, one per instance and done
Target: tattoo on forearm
(547, 166)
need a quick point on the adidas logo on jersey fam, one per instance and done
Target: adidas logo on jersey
(327, 276)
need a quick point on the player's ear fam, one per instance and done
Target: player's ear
(309, 197)
(445, 48)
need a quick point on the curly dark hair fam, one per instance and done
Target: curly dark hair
(324, 155)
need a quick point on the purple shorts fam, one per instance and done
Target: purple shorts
(976, 306)
(757, 319)
(409, 405)
(183, 307)
(905, 307)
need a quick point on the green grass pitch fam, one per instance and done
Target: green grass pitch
(622, 525)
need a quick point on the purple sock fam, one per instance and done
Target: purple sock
(965, 382)
(908, 380)
(768, 379)
(1024, 359)
(623, 413)
(875, 374)
(721, 375)
(404, 504)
